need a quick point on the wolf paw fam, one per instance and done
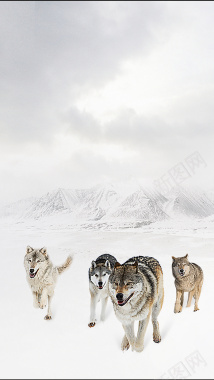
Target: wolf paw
(91, 324)
(137, 347)
(196, 309)
(157, 338)
(178, 309)
(125, 344)
(42, 306)
(48, 317)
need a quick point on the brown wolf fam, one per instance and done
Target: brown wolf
(136, 291)
(188, 278)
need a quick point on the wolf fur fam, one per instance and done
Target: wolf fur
(42, 276)
(136, 291)
(188, 278)
(99, 272)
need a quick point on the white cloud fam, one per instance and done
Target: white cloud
(94, 90)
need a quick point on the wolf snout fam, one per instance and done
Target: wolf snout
(100, 284)
(181, 271)
(32, 272)
(119, 296)
(121, 300)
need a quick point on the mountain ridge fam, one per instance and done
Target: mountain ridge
(105, 203)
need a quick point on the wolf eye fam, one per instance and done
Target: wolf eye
(38, 261)
(128, 284)
(96, 275)
(29, 260)
(104, 274)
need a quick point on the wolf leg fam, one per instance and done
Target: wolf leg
(35, 300)
(94, 301)
(104, 304)
(125, 344)
(190, 295)
(130, 336)
(182, 299)
(48, 316)
(139, 343)
(178, 307)
(155, 312)
(197, 296)
(43, 299)
(196, 308)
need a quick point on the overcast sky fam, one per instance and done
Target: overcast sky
(96, 92)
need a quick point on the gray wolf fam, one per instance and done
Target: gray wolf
(42, 276)
(188, 278)
(136, 291)
(98, 273)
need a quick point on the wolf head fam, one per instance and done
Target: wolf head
(99, 273)
(180, 266)
(125, 283)
(35, 260)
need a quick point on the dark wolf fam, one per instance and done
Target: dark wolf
(136, 291)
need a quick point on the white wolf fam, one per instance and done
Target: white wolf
(98, 274)
(42, 276)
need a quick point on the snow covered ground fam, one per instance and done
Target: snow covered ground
(65, 347)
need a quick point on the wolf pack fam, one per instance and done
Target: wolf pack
(135, 288)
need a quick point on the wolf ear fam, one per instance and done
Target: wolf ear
(29, 249)
(93, 265)
(107, 264)
(43, 251)
(186, 256)
(135, 266)
(173, 258)
(116, 265)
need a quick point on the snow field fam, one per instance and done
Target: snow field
(65, 347)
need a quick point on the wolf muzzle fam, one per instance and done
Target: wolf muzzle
(120, 298)
(182, 272)
(32, 273)
(100, 284)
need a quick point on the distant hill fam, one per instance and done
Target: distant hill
(107, 203)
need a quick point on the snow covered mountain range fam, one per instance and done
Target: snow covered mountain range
(111, 204)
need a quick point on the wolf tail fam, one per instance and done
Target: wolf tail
(63, 267)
